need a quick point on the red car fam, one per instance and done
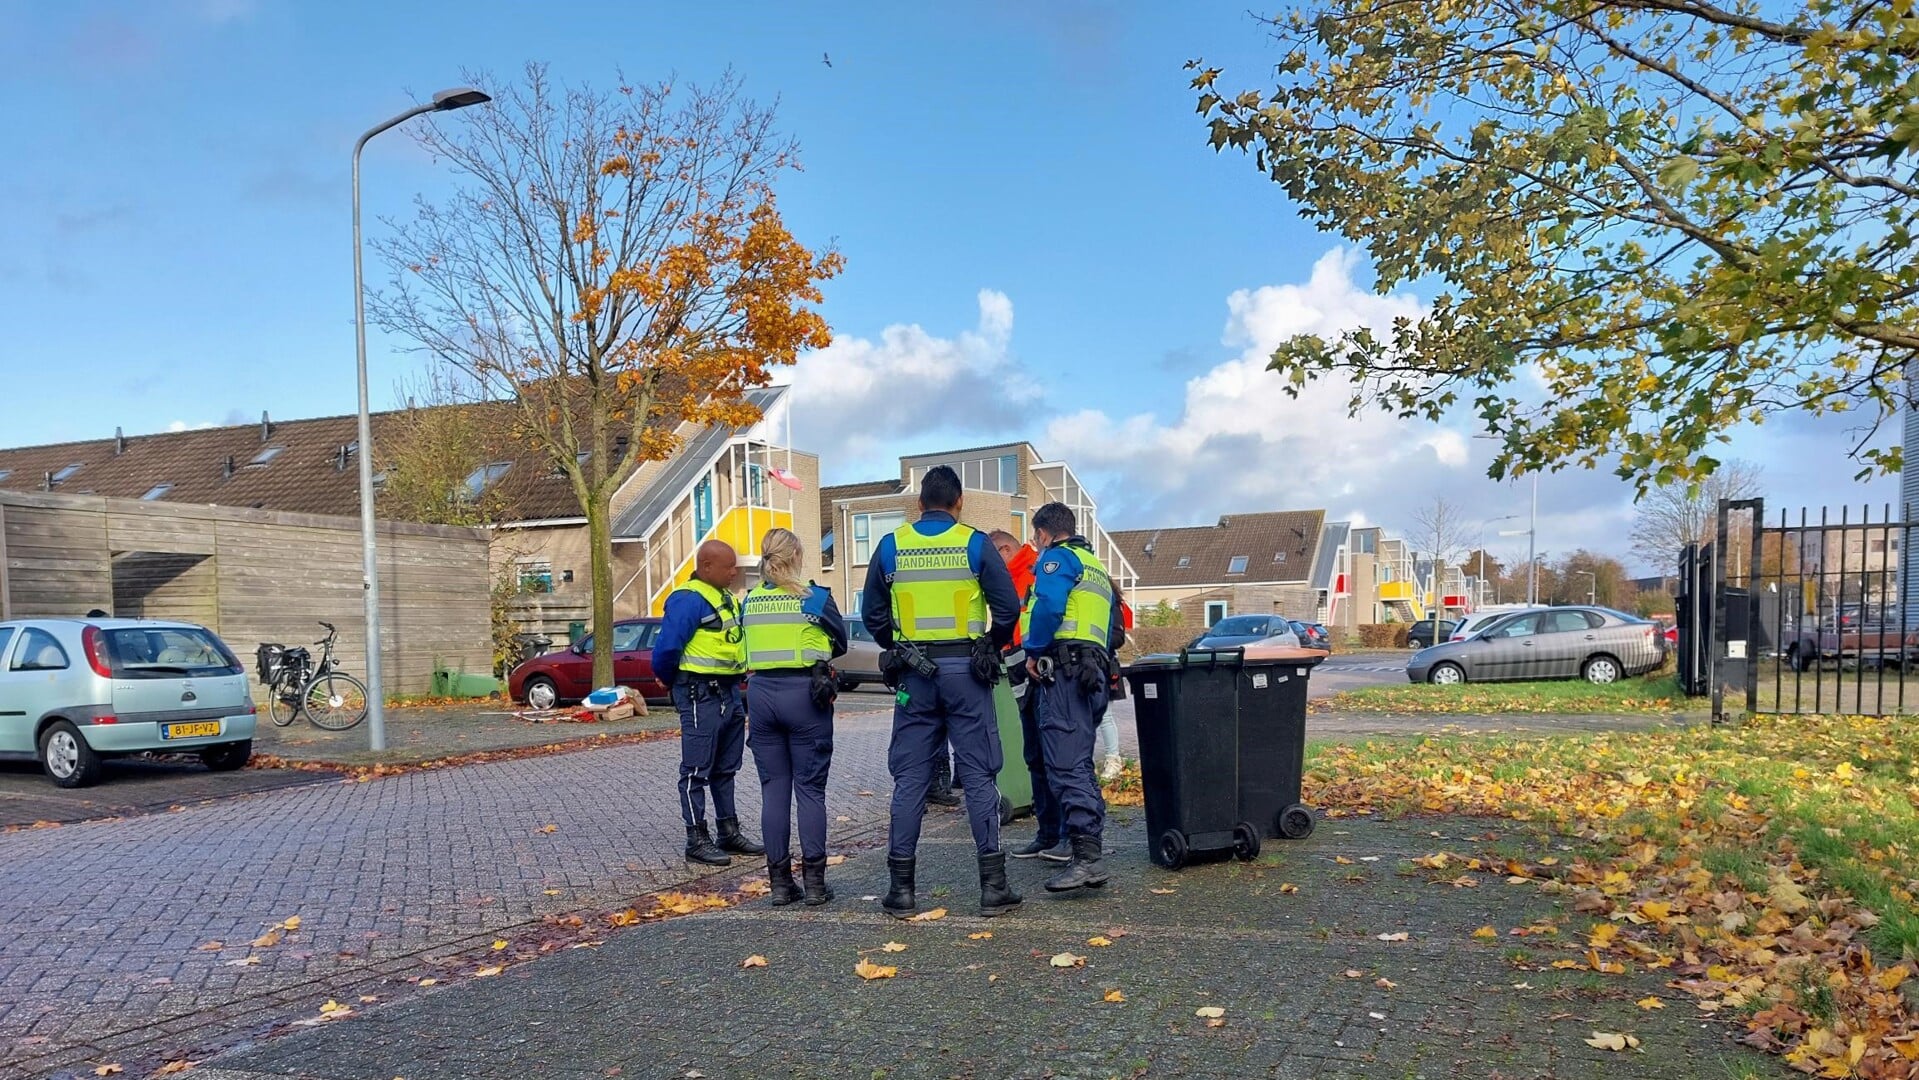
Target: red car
(557, 678)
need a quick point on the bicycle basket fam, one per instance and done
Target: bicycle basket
(268, 659)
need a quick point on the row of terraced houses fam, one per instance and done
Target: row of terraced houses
(733, 484)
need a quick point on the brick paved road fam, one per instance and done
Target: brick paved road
(133, 786)
(103, 921)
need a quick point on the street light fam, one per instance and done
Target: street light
(1592, 588)
(1481, 598)
(1532, 539)
(444, 101)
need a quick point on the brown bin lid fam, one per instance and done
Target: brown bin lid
(1283, 654)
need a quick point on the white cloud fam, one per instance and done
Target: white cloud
(1239, 443)
(182, 425)
(857, 398)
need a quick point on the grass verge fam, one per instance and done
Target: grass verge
(1653, 694)
(1769, 867)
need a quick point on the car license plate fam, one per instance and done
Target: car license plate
(191, 731)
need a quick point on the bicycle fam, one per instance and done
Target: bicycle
(331, 699)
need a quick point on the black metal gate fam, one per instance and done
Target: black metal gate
(1807, 611)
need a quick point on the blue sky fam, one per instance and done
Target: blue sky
(1023, 194)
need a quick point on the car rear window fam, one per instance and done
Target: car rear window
(1239, 626)
(168, 652)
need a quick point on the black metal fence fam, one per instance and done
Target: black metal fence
(1808, 610)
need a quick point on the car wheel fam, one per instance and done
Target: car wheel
(227, 757)
(1797, 660)
(69, 761)
(1447, 674)
(1601, 670)
(541, 693)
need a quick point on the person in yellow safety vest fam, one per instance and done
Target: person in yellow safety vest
(939, 600)
(701, 656)
(793, 629)
(1070, 628)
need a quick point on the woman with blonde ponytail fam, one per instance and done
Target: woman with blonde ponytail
(793, 628)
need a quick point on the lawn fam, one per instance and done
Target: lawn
(1657, 693)
(1768, 867)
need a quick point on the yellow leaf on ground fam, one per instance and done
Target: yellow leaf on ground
(1288, 889)
(1216, 1022)
(1353, 973)
(428, 982)
(1787, 896)
(1209, 1012)
(934, 915)
(1400, 936)
(267, 940)
(983, 935)
(835, 860)
(549, 828)
(368, 999)
(1844, 771)
(1486, 933)
(1657, 909)
(867, 969)
(174, 1068)
(1385, 984)
(1603, 934)
(1114, 996)
(1163, 892)
(1067, 960)
(334, 1008)
(893, 946)
(292, 923)
(108, 1070)
(753, 961)
(1342, 860)
(211, 946)
(1099, 942)
(1609, 1040)
(1890, 978)
(1650, 1003)
(498, 944)
(488, 971)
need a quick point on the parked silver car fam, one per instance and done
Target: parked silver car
(76, 691)
(1243, 631)
(1592, 643)
(861, 664)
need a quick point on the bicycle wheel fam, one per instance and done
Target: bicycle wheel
(335, 701)
(283, 704)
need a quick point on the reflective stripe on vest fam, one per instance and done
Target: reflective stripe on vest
(1089, 606)
(935, 589)
(778, 633)
(715, 647)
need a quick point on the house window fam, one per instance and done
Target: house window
(484, 477)
(536, 576)
(65, 472)
(756, 485)
(1878, 547)
(4, 473)
(1215, 611)
(1237, 566)
(266, 454)
(869, 528)
(157, 491)
(1019, 525)
(1185, 561)
(1009, 473)
(1279, 556)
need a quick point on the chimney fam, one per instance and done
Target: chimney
(266, 426)
(226, 468)
(119, 442)
(46, 482)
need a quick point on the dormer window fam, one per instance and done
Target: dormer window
(157, 491)
(1237, 566)
(484, 477)
(1185, 561)
(1279, 556)
(65, 472)
(265, 455)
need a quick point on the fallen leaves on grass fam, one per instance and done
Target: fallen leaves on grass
(488, 972)
(983, 935)
(1399, 936)
(1354, 973)
(934, 915)
(1612, 1040)
(1743, 861)
(1385, 984)
(1212, 1014)
(1486, 933)
(355, 772)
(1650, 1003)
(756, 960)
(1163, 892)
(1288, 889)
(1114, 997)
(1067, 960)
(1099, 942)
(868, 970)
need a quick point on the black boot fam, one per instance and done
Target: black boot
(735, 841)
(779, 874)
(899, 901)
(996, 897)
(941, 793)
(813, 872)
(1085, 870)
(700, 849)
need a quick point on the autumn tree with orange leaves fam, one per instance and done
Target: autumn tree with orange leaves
(614, 265)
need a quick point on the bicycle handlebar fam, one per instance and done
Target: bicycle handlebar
(331, 633)
(328, 625)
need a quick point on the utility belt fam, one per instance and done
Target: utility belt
(945, 650)
(707, 687)
(1086, 664)
(918, 657)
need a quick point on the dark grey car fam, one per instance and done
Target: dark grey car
(1240, 631)
(1592, 643)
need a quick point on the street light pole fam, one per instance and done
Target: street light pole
(444, 101)
(1482, 558)
(1532, 540)
(1592, 585)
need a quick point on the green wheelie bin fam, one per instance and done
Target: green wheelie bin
(1014, 780)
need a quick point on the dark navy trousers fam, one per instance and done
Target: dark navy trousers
(1068, 727)
(712, 744)
(950, 707)
(1045, 806)
(792, 741)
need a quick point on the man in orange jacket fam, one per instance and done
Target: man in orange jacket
(1050, 842)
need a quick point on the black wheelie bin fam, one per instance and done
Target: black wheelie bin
(1272, 739)
(1186, 708)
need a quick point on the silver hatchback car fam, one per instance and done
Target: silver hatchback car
(76, 691)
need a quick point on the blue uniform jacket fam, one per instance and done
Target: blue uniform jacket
(820, 610)
(1054, 576)
(876, 600)
(684, 611)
